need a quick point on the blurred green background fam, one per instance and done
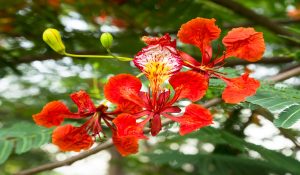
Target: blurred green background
(32, 75)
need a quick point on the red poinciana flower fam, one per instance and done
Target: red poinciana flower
(68, 137)
(244, 43)
(158, 61)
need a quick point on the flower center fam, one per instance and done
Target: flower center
(157, 73)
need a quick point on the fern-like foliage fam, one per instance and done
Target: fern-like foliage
(20, 138)
(284, 103)
(215, 164)
(225, 164)
(288, 117)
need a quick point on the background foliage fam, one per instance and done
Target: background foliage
(32, 75)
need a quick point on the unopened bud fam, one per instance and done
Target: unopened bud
(106, 40)
(53, 39)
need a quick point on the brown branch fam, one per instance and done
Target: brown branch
(107, 144)
(249, 24)
(265, 60)
(253, 16)
(286, 75)
(100, 147)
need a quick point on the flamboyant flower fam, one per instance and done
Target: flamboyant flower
(71, 138)
(159, 61)
(244, 43)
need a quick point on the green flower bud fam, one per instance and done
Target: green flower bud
(106, 40)
(53, 39)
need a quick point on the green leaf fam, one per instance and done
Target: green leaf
(282, 102)
(40, 139)
(23, 145)
(272, 102)
(220, 137)
(6, 147)
(288, 117)
(25, 136)
(223, 164)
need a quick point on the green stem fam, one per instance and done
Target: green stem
(139, 75)
(99, 56)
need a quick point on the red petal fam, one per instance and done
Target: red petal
(244, 43)
(195, 117)
(188, 60)
(70, 138)
(128, 107)
(200, 32)
(125, 145)
(190, 84)
(84, 103)
(123, 87)
(126, 126)
(53, 114)
(238, 89)
(155, 125)
(164, 40)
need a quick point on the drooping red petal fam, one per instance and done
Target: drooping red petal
(70, 138)
(200, 32)
(84, 103)
(190, 84)
(155, 125)
(244, 43)
(195, 117)
(53, 114)
(238, 89)
(123, 87)
(188, 60)
(126, 126)
(164, 40)
(125, 145)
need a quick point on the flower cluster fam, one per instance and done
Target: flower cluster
(244, 43)
(160, 61)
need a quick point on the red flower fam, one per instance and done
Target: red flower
(68, 137)
(155, 103)
(244, 43)
(158, 61)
